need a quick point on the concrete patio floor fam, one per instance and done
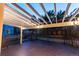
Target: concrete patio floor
(40, 48)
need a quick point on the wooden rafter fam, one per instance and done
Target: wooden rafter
(22, 19)
(76, 12)
(66, 12)
(26, 12)
(55, 11)
(42, 6)
(26, 17)
(28, 5)
(19, 19)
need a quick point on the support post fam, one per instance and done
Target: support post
(1, 23)
(21, 35)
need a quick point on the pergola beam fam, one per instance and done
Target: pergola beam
(21, 8)
(76, 12)
(14, 21)
(66, 12)
(20, 17)
(11, 21)
(42, 6)
(29, 20)
(29, 6)
(72, 23)
(55, 11)
(26, 12)
(15, 25)
(1, 23)
(17, 19)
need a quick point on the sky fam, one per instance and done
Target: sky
(48, 6)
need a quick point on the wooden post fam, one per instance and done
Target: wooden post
(1, 23)
(21, 36)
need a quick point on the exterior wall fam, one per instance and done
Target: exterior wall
(5, 28)
(66, 35)
(11, 38)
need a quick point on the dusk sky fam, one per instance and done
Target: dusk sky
(48, 6)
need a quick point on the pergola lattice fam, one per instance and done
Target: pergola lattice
(15, 18)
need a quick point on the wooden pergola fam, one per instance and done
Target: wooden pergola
(11, 16)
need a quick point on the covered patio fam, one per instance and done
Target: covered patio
(15, 15)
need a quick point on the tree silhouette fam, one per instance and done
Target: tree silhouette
(59, 15)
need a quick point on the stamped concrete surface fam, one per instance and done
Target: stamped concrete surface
(40, 48)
